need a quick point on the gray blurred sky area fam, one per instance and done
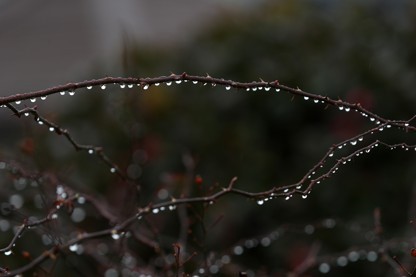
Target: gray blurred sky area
(46, 43)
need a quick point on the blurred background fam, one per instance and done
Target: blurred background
(359, 51)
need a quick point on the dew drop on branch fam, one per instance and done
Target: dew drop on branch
(260, 202)
(26, 114)
(18, 102)
(71, 92)
(8, 253)
(354, 142)
(33, 100)
(89, 87)
(178, 81)
(43, 97)
(266, 88)
(146, 87)
(62, 92)
(113, 170)
(306, 98)
(90, 151)
(51, 129)
(168, 83)
(316, 101)
(103, 87)
(228, 87)
(278, 89)
(73, 247)
(194, 82)
(157, 84)
(130, 85)
(122, 85)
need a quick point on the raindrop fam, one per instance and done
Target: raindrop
(227, 87)
(73, 247)
(122, 85)
(299, 187)
(381, 129)
(115, 235)
(168, 83)
(146, 87)
(353, 256)
(286, 190)
(62, 92)
(90, 151)
(331, 154)
(324, 268)
(278, 89)
(54, 216)
(172, 207)
(157, 84)
(8, 253)
(40, 122)
(89, 87)
(71, 92)
(316, 101)
(247, 89)
(51, 129)
(287, 198)
(388, 126)
(155, 210)
(340, 108)
(26, 114)
(340, 146)
(406, 124)
(354, 142)
(372, 256)
(130, 85)
(372, 119)
(342, 261)
(304, 196)
(260, 202)
(306, 98)
(238, 250)
(194, 82)
(18, 102)
(33, 100)
(113, 170)
(360, 139)
(347, 109)
(103, 87)
(378, 122)
(267, 88)
(254, 89)
(178, 81)
(43, 97)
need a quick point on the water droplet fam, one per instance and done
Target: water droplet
(381, 129)
(90, 151)
(71, 92)
(347, 109)
(115, 235)
(26, 114)
(103, 87)
(372, 119)
(360, 139)
(254, 89)
(406, 124)
(238, 250)
(287, 198)
(73, 247)
(172, 207)
(157, 84)
(89, 87)
(227, 87)
(267, 88)
(286, 190)
(168, 83)
(33, 100)
(54, 216)
(194, 82)
(372, 256)
(353, 256)
(342, 261)
(8, 253)
(306, 98)
(40, 122)
(51, 129)
(388, 126)
(43, 97)
(278, 89)
(331, 154)
(122, 85)
(178, 81)
(324, 268)
(340, 108)
(155, 210)
(62, 92)
(378, 122)
(247, 89)
(146, 87)
(304, 196)
(316, 101)
(130, 85)
(340, 146)
(299, 187)
(260, 202)
(18, 102)
(354, 142)
(113, 170)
